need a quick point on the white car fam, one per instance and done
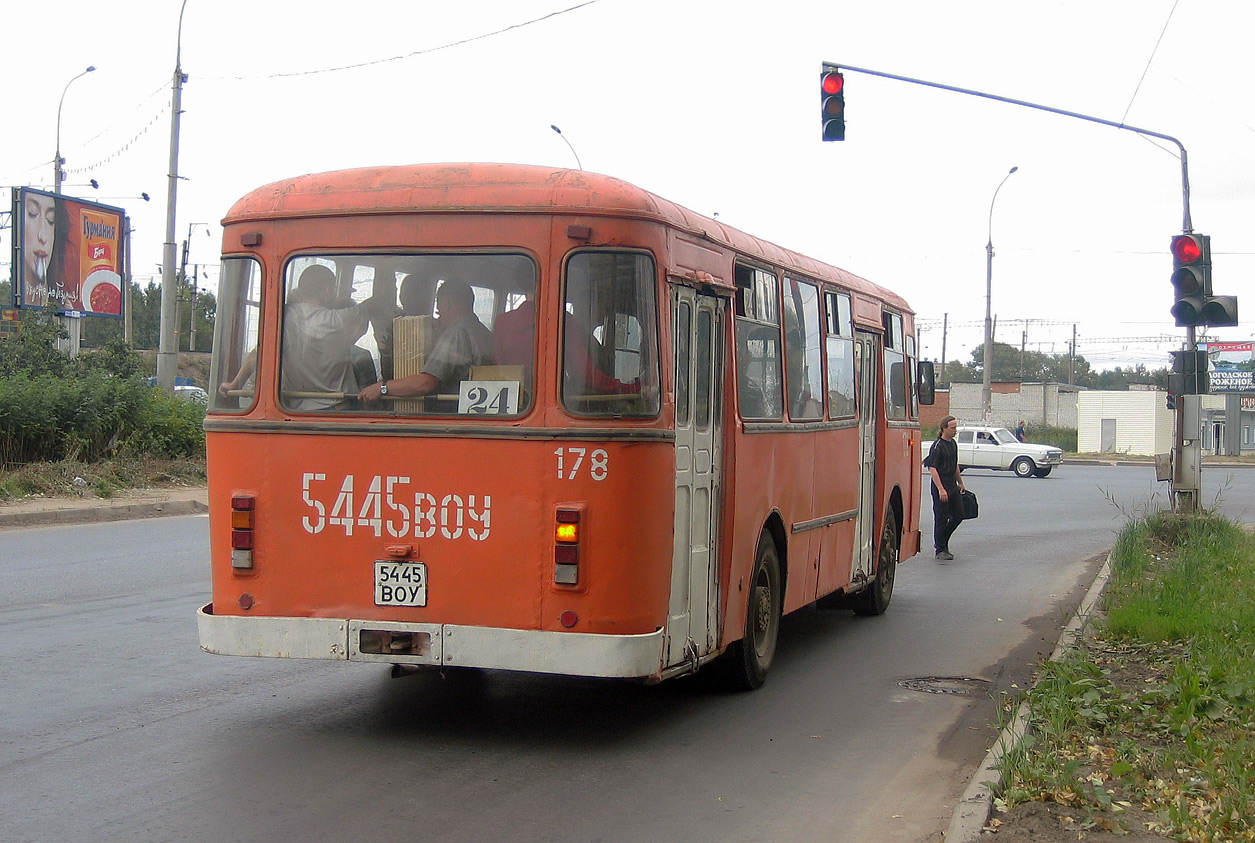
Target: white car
(997, 448)
(192, 393)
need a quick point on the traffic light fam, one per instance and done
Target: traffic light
(832, 94)
(1191, 280)
(1189, 373)
(1191, 277)
(1220, 311)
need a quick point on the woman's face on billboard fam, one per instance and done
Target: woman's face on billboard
(39, 228)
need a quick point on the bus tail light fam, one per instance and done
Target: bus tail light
(566, 547)
(243, 508)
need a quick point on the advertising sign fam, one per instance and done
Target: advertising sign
(67, 253)
(1231, 366)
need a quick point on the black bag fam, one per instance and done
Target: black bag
(971, 507)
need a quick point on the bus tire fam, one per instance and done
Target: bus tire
(751, 656)
(874, 599)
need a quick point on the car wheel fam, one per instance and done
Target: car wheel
(1023, 467)
(874, 599)
(1043, 472)
(750, 658)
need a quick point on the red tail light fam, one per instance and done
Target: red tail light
(243, 510)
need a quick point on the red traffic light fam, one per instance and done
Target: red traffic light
(832, 93)
(1187, 248)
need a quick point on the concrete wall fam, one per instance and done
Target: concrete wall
(1051, 404)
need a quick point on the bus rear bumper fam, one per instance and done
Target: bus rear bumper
(447, 645)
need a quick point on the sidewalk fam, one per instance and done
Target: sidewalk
(137, 503)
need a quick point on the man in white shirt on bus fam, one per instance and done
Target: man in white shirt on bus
(318, 339)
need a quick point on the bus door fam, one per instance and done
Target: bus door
(866, 357)
(693, 622)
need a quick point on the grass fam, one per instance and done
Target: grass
(104, 478)
(1151, 722)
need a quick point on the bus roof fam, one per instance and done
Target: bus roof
(513, 188)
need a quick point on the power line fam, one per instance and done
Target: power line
(1151, 58)
(374, 62)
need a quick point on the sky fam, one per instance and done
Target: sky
(713, 105)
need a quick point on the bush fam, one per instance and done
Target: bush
(1044, 434)
(55, 407)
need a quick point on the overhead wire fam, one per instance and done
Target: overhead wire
(374, 62)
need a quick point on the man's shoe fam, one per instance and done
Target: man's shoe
(945, 554)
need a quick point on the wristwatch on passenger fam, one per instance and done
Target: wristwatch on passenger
(383, 387)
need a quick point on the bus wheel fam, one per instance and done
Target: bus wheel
(751, 656)
(874, 599)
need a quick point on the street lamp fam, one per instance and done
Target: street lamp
(57, 162)
(568, 143)
(986, 390)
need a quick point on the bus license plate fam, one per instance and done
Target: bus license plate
(400, 584)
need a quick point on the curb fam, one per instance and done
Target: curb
(90, 514)
(974, 809)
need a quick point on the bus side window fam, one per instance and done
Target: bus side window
(760, 384)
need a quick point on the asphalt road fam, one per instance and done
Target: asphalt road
(114, 726)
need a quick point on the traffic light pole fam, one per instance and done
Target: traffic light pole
(1186, 225)
(1186, 464)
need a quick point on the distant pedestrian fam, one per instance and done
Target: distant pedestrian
(947, 486)
(1019, 432)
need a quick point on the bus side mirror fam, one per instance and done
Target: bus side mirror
(927, 382)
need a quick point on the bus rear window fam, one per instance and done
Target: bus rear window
(609, 338)
(448, 334)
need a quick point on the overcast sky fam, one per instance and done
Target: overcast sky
(714, 105)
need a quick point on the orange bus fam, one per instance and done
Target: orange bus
(533, 419)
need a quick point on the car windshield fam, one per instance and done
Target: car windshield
(1004, 436)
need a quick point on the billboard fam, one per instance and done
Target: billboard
(1231, 366)
(67, 253)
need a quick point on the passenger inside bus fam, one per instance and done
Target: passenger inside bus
(513, 341)
(462, 342)
(321, 362)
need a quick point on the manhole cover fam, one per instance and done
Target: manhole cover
(960, 685)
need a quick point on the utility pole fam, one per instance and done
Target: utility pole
(191, 319)
(945, 318)
(167, 346)
(1072, 358)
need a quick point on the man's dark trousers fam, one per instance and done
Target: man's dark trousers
(946, 515)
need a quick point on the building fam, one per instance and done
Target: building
(1139, 422)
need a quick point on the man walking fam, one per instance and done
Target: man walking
(947, 486)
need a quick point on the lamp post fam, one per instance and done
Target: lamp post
(568, 143)
(57, 162)
(986, 391)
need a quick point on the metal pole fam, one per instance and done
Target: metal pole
(167, 347)
(1187, 225)
(986, 391)
(126, 285)
(191, 319)
(57, 162)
